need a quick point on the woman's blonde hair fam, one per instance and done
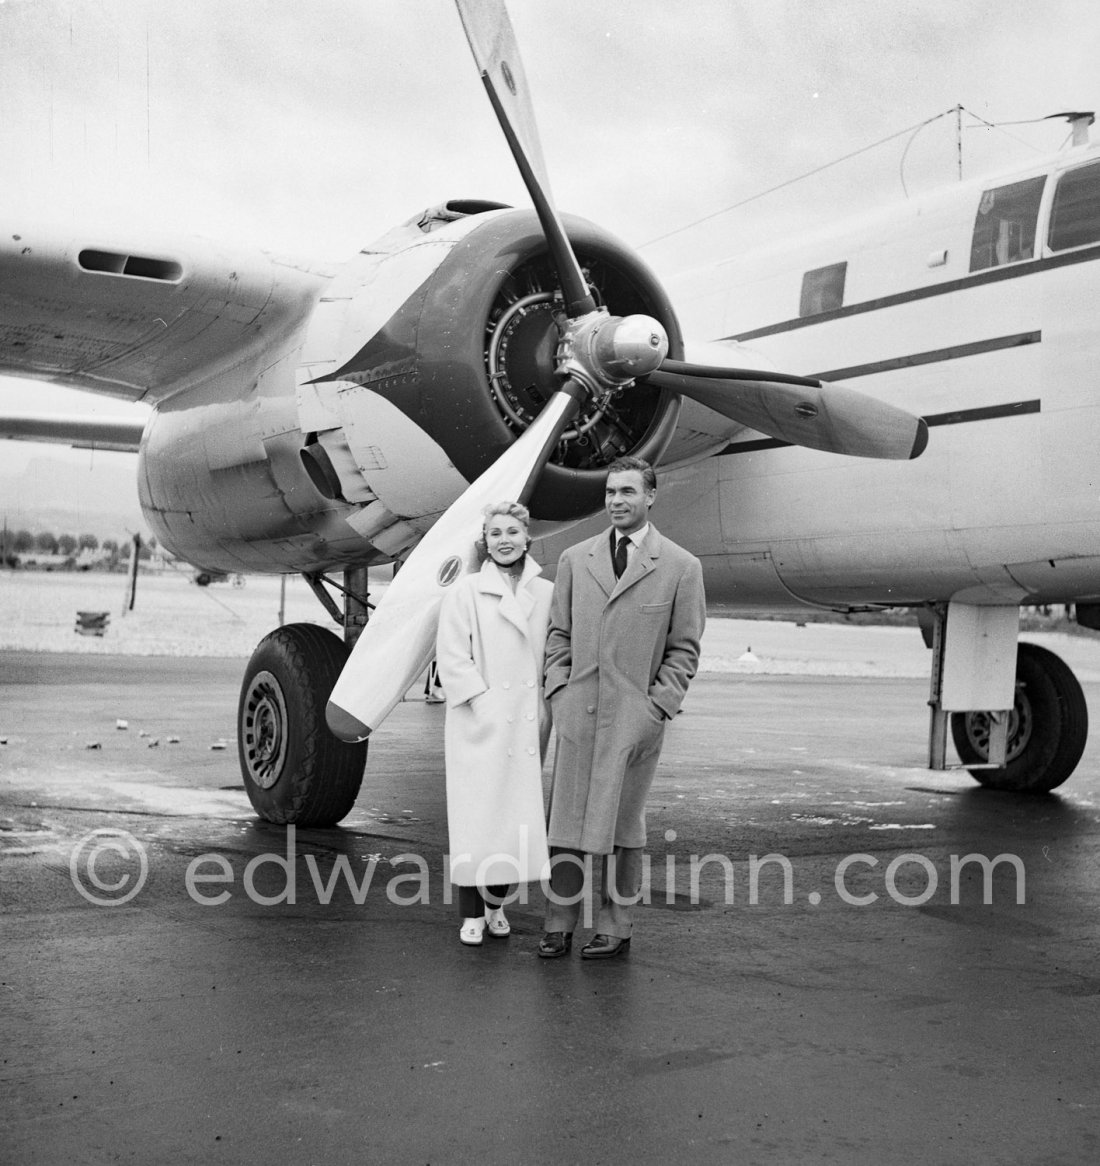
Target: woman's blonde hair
(514, 510)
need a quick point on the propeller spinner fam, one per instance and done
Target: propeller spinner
(597, 355)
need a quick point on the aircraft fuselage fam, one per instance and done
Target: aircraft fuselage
(975, 309)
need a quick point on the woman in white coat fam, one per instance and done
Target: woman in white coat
(492, 634)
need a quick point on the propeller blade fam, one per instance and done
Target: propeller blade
(494, 48)
(799, 410)
(399, 638)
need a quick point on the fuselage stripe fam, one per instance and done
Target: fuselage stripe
(993, 275)
(956, 352)
(988, 413)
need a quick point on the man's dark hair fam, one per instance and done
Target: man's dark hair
(622, 464)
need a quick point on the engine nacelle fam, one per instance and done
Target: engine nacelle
(341, 439)
(468, 357)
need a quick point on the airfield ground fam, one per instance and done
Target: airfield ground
(880, 1007)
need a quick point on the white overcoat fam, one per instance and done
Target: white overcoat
(489, 650)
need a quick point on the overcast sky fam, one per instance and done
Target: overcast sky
(312, 127)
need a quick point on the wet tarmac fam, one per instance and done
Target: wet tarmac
(180, 983)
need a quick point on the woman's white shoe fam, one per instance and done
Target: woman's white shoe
(497, 924)
(471, 932)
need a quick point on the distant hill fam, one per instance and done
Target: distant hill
(48, 494)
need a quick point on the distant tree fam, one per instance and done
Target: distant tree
(88, 542)
(66, 544)
(110, 549)
(22, 541)
(46, 542)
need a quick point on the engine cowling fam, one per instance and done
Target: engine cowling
(468, 356)
(341, 439)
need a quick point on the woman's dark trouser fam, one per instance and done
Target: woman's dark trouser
(473, 902)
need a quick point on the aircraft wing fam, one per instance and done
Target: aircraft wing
(140, 319)
(114, 433)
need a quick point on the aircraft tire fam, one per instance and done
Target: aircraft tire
(1047, 731)
(294, 769)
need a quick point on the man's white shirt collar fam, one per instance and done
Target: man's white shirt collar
(637, 538)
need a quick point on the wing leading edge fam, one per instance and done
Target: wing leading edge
(114, 433)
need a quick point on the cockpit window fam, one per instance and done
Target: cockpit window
(1075, 216)
(1004, 229)
(823, 289)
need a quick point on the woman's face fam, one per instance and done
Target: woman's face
(505, 538)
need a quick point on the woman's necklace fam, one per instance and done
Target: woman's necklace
(513, 572)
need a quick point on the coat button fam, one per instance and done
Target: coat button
(511, 720)
(506, 684)
(531, 750)
(591, 708)
(530, 684)
(530, 716)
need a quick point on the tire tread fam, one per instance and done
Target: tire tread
(323, 774)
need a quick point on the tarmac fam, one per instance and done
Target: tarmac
(812, 980)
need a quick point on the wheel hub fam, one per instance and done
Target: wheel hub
(1020, 724)
(264, 730)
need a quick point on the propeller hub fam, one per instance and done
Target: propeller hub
(607, 352)
(631, 346)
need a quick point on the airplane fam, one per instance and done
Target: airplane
(317, 419)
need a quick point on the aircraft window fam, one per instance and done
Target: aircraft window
(1075, 218)
(823, 289)
(1004, 230)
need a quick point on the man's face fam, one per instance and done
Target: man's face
(627, 500)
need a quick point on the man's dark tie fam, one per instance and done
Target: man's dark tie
(618, 560)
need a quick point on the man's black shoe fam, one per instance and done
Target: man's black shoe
(555, 943)
(604, 947)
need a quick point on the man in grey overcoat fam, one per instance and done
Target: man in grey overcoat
(622, 647)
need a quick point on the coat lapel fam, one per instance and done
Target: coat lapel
(641, 563)
(515, 606)
(599, 562)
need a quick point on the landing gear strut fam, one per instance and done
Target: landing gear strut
(1047, 727)
(1016, 712)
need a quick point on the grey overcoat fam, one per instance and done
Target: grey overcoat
(619, 656)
